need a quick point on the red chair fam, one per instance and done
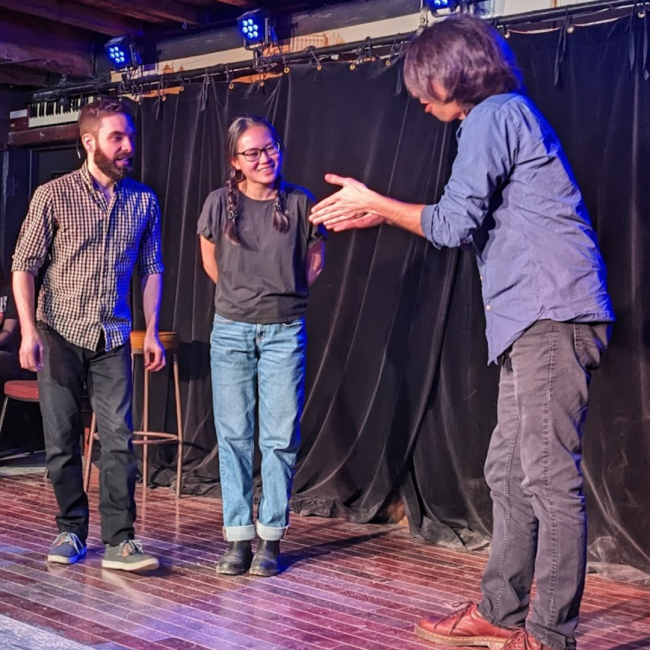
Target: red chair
(26, 390)
(20, 390)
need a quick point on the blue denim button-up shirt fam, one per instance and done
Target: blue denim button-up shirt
(513, 199)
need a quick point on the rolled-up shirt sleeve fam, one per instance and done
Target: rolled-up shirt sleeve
(315, 233)
(487, 150)
(209, 222)
(36, 234)
(150, 253)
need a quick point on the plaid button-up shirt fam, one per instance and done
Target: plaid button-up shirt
(90, 248)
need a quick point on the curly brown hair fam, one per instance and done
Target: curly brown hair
(466, 57)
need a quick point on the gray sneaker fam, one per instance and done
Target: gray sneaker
(67, 549)
(128, 556)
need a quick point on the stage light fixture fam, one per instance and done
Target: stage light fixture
(122, 53)
(255, 27)
(446, 6)
(439, 5)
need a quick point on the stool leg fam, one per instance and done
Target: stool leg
(89, 452)
(145, 440)
(4, 412)
(179, 425)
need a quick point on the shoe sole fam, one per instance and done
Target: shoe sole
(224, 571)
(263, 574)
(67, 561)
(143, 565)
(490, 642)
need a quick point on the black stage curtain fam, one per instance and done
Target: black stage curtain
(400, 402)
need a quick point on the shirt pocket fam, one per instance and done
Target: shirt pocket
(80, 229)
(128, 228)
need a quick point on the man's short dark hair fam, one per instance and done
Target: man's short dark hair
(465, 56)
(91, 114)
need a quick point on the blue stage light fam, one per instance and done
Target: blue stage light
(255, 28)
(439, 5)
(122, 53)
(446, 6)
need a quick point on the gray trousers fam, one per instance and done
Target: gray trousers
(533, 471)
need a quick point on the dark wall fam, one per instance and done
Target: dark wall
(22, 171)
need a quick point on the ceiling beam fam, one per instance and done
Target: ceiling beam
(71, 13)
(244, 4)
(40, 47)
(152, 10)
(126, 11)
(13, 75)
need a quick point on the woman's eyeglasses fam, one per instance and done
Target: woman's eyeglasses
(252, 155)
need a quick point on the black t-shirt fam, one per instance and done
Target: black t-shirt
(264, 280)
(7, 304)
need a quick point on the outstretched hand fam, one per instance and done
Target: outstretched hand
(348, 208)
(366, 220)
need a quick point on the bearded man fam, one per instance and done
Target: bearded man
(84, 233)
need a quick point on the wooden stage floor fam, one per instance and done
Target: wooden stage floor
(348, 587)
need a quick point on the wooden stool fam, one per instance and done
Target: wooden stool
(170, 343)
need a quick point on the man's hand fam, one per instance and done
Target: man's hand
(367, 220)
(31, 352)
(353, 202)
(355, 206)
(154, 353)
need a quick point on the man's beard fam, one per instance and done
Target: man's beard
(109, 167)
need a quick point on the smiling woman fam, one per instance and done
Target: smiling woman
(262, 253)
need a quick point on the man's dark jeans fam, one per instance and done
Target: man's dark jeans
(66, 368)
(533, 470)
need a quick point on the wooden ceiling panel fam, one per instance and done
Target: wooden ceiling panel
(34, 44)
(76, 15)
(151, 10)
(15, 75)
(221, 4)
(245, 4)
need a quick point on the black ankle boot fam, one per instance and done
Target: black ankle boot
(237, 559)
(266, 562)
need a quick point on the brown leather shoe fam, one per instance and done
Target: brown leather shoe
(465, 627)
(524, 640)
